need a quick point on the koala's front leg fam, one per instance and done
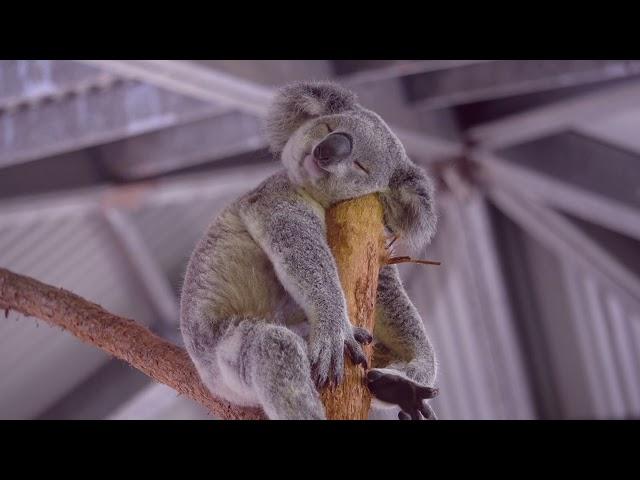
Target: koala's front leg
(293, 236)
(408, 380)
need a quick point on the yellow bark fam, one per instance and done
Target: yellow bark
(355, 236)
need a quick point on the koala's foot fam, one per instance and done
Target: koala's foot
(392, 387)
(327, 355)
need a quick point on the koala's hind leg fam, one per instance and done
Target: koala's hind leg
(253, 362)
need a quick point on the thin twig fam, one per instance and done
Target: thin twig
(395, 237)
(394, 260)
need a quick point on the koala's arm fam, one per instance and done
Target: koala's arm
(409, 206)
(292, 234)
(401, 329)
(410, 214)
(408, 379)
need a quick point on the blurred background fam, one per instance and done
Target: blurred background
(111, 170)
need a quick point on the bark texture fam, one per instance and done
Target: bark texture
(355, 236)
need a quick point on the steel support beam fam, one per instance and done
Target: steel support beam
(182, 146)
(619, 130)
(566, 240)
(145, 268)
(380, 70)
(547, 190)
(498, 79)
(206, 84)
(557, 117)
(158, 402)
(178, 188)
(271, 73)
(113, 384)
(189, 79)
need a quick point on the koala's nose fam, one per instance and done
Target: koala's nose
(335, 147)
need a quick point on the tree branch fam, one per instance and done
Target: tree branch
(123, 338)
(355, 235)
(394, 260)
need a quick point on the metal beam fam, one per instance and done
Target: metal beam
(152, 280)
(566, 240)
(388, 98)
(178, 188)
(393, 69)
(498, 79)
(207, 84)
(110, 386)
(556, 117)
(94, 117)
(190, 79)
(271, 73)
(182, 146)
(619, 130)
(158, 402)
(60, 172)
(547, 190)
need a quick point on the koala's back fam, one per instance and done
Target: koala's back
(229, 275)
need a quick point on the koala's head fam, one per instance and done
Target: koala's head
(335, 149)
(329, 144)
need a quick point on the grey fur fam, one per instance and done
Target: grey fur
(300, 101)
(264, 267)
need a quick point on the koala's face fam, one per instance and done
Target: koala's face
(335, 149)
(343, 155)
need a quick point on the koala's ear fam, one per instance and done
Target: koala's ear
(298, 102)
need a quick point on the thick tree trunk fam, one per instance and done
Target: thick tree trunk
(121, 337)
(355, 235)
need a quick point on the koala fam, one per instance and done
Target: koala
(262, 312)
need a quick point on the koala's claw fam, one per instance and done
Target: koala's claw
(362, 335)
(327, 364)
(403, 416)
(327, 357)
(407, 394)
(354, 350)
(426, 411)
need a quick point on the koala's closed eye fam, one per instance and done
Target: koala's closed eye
(361, 167)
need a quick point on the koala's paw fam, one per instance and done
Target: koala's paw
(410, 396)
(356, 337)
(362, 335)
(409, 206)
(327, 355)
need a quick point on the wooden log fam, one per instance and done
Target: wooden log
(355, 234)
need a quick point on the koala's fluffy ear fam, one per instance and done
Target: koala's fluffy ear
(298, 102)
